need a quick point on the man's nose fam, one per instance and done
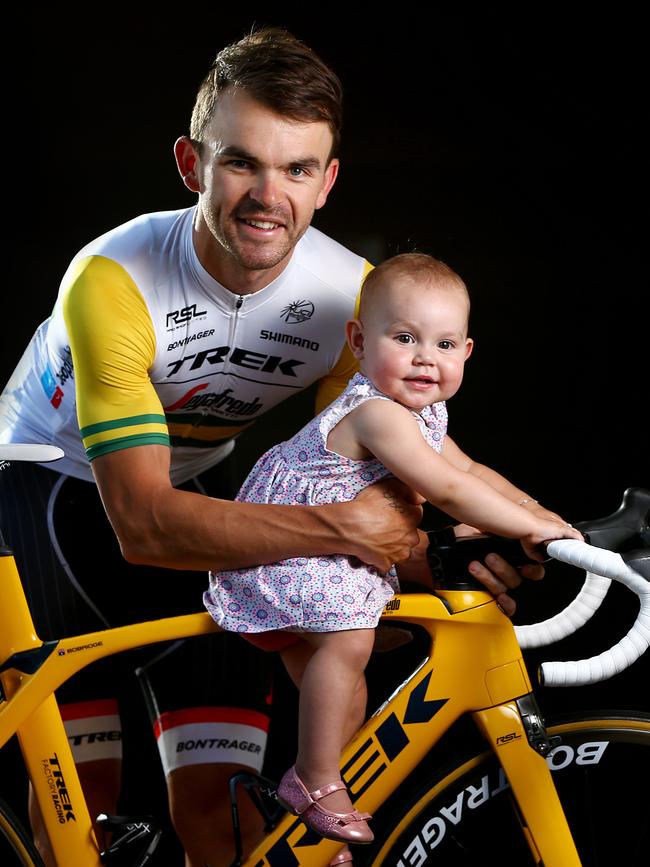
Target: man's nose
(265, 189)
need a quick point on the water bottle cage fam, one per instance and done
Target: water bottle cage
(133, 840)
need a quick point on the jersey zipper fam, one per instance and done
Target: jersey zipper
(234, 320)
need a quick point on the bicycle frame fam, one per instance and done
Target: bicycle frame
(486, 678)
(475, 666)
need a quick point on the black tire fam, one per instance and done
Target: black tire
(466, 816)
(16, 845)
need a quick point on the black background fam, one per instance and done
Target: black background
(510, 145)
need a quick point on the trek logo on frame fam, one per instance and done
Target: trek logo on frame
(58, 790)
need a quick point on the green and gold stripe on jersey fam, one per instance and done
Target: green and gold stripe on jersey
(123, 433)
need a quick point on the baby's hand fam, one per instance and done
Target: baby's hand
(547, 531)
(544, 514)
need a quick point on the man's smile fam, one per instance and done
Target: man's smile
(262, 224)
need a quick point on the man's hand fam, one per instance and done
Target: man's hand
(386, 516)
(416, 569)
(498, 576)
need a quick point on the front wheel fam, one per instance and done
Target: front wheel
(16, 847)
(467, 816)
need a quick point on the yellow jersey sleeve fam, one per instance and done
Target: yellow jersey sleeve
(113, 346)
(332, 385)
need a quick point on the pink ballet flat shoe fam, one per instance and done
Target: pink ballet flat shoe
(343, 857)
(350, 827)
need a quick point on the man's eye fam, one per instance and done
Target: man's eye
(238, 164)
(296, 171)
(405, 338)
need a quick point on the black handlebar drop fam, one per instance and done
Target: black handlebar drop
(625, 529)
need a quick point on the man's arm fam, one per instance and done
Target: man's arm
(157, 524)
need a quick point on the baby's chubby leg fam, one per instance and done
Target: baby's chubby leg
(332, 684)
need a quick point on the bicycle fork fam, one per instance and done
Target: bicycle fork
(516, 734)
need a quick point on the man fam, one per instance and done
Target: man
(169, 336)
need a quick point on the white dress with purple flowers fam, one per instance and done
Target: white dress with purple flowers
(317, 594)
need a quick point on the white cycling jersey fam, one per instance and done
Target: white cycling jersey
(144, 346)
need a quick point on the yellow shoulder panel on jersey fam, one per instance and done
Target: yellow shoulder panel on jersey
(332, 385)
(113, 346)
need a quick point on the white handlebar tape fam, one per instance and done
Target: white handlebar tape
(29, 452)
(608, 565)
(569, 620)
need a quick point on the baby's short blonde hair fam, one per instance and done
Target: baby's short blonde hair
(416, 267)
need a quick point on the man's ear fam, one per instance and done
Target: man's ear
(354, 334)
(331, 173)
(187, 160)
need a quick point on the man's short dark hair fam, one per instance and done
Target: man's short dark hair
(280, 72)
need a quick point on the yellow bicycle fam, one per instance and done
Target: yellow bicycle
(514, 791)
